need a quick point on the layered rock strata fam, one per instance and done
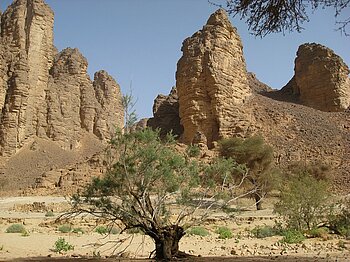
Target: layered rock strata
(211, 80)
(321, 79)
(49, 95)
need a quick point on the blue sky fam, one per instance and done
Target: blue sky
(139, 41)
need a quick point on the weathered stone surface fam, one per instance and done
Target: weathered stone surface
(166, 114)
(27, 37)
(211, 79)
(110, 114)
(321, 79)
(48, 95)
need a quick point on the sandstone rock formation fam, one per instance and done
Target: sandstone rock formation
(321, 79)
(211, 79)
(166, 114)
(49, 95)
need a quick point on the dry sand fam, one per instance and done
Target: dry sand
(242, 247)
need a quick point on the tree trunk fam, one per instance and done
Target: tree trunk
(258, 201)
(167, 242)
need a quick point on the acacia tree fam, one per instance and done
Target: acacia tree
(258, 157)
(153, 187)
(270, 16)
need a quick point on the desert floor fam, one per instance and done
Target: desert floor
(38, 244)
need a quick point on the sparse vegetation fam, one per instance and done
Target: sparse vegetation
(62, 245)
(147, 179)
(25, 233)
(198, 231)
(66, 228)
(224, 232)
(102, 230)
(264, 231)
(293, 237)
(49, 214)
(193, 151)
(16, 228)
(78, 230)
(262, 176)
(304, 202)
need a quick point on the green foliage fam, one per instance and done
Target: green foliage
(264, 231)
(320, 232)
(304, 202)
(224, 232)
(292, 237)
(130, 116)
(25, 233)
(198, 231)
(78, 230)
(340, 222)
(15, 228)
(66, 228)
(148, 178)
(258, 158)
(61, 245)
(102, 230)
(193, 151)
(49, 214)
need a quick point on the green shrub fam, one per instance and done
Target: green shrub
(318, 232)
(15, 228)
(292, 237)
(264, 231)
(62, 245)
(198, 231)
(78, 230)
(66, 228)
(304, 202)
(114, 231)
(25, 233)
(224, 232)
(102, 230)
(340, 222)
(49, 214)
(193, 150)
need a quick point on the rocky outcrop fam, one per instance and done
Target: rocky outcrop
(110, 114)
(166, 114)
(49, 95)
(321, 79)
(211, 79)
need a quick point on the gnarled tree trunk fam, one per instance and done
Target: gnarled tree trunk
(167, 242)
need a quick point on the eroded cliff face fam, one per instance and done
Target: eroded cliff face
(211, 80)
(321, 79)
(48, 95)
(166, 114)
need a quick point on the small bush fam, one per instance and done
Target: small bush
(114, 231)
(62, 245)
(49, 214)
(193, 151)
(78, 230)
(224, 233)
(198, 231)
(264, 231)
(318, 232)
(25, 233)
(66, 228)
(15, 228)
(292, 237)
(102, 230)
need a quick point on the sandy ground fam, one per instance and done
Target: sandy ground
(39, 244)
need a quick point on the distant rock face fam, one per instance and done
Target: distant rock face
(321, 79)
(44, 94)
(166, 114)
(211, 79)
